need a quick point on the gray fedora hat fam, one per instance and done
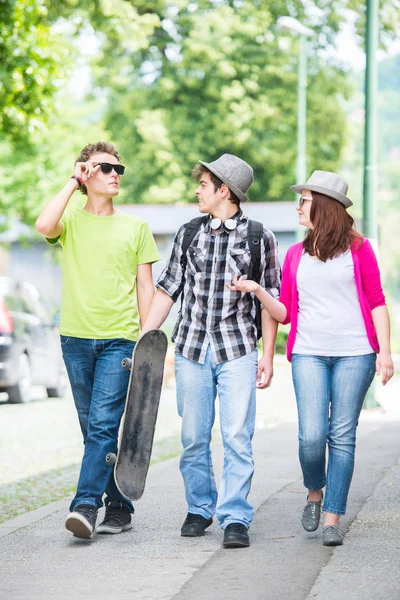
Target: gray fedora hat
(234, 172)
(327, 183)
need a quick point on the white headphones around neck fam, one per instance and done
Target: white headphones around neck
(229, 224)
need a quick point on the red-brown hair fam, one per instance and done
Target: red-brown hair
(333, 229)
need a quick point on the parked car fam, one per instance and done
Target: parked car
(30, 351)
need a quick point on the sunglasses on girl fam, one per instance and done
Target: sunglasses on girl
(303, 199)
(108, 167)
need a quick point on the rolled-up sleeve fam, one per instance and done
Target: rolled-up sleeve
(172, 278)
(270, 278)
(370, 276)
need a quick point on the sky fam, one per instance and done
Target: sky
(349, 52)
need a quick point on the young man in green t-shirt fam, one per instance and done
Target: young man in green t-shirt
(107, 289)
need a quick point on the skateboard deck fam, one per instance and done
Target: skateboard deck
(139, 419)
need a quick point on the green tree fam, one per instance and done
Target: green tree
(31, 55)
(214, 81)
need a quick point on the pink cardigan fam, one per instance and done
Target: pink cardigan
(368, 283)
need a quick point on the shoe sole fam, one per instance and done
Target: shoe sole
(113, 530)
(236, 544)
(333, 543)
(79, 526)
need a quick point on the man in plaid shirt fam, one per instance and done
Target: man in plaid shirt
(216, 347)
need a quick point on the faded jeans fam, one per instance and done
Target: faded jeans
(197, 386)
(330, 392)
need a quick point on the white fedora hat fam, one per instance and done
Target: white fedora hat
(327, 183)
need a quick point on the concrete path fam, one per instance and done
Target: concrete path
(41, 560)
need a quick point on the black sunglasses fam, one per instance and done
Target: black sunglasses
(302, 199)
(108, 167)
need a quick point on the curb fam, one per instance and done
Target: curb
(33, 516)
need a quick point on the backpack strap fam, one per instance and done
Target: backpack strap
(255, 232)
(191, 229)
(254, 235)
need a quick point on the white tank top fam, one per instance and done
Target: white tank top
(330, 322)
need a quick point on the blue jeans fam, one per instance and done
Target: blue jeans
(330, 392)
(197, 386)
(99, 385)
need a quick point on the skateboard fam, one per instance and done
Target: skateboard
(139, 420)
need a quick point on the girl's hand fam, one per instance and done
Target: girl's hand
(384, 364)
(243, 285)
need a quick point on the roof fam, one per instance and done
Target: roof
(167, 218)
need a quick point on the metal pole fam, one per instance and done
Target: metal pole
(301, 112)
(301, 169)
(370, 226)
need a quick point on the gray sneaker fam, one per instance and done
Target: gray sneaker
(332, 536)
(311, 515)
(117, 519)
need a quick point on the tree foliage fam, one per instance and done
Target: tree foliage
(31, 56)
(220, 80)
(174, 81)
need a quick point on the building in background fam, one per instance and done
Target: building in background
(26, 256)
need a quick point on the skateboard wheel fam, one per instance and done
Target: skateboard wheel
(126, 363)
(111, 458)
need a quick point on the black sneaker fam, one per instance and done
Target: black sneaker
(195, 525)
(117, 519)
(236, 536)
(82, 521)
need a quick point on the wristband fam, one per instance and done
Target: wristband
(78, 179)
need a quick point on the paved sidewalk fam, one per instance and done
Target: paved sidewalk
(43, 561)
(39, 559)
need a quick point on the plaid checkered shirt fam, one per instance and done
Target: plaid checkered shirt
(211, 314)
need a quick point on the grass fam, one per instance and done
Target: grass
(25, 495)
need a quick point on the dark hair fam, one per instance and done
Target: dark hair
(198, 172)
(333, 229)
(96, 148)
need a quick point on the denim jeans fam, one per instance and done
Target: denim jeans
(99, 385)
(197, 387)
(330, 392)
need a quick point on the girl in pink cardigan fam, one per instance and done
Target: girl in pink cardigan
(331, 295)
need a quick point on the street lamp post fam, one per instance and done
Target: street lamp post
(303, 32)
(301, 168)
(370, 226)
(370, 151)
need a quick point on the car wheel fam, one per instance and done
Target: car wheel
(20, 392)
(59, 390)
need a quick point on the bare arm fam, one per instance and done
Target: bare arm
(276, 309)
(384, 363)
(144, 290)
(265, 370)
(49, 221)
(158, 311)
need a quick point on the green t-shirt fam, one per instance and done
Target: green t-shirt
(99, 266)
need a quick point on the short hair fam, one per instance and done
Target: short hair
(198, 171)
(96, 148)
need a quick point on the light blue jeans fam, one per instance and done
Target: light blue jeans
(330, 392)
(197, 386)
(99, 385)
